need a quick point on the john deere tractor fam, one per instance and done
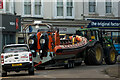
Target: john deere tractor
(100, 47)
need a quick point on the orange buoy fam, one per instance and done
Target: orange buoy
(79, 38)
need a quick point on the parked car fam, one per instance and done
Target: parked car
(16, 57)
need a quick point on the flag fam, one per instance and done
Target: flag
(30, 29)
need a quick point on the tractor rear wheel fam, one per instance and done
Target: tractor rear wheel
(111, 57)
(94, 55)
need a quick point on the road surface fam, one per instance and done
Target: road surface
(82, 71)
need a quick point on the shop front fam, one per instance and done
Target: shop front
(10, 25)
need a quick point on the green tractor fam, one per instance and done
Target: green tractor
(100, 47)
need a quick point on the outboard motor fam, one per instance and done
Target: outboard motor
(44, 40)
(32, 42)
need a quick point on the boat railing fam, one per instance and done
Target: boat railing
(67, 42)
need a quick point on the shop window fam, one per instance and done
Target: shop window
(21, 40)
(4, 42)
(12, 39)
(27, 7)
(92, 6)
(108, 6)
(116, 37)
(37, 7)
(8, 39)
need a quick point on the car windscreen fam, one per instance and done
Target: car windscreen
(14, 49)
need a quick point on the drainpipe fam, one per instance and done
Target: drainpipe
(83, 11)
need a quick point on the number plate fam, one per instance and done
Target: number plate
(16, 64)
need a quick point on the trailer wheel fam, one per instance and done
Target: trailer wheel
(78, 63)
(94, 55)
(73, 64)
(4, 73)
(111, 57)
(67, 66)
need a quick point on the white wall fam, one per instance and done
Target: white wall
(18, 7)
(47, 10)
(119, 9)
(86, 9)
(115, 9)
(101, 8)
(78, 10)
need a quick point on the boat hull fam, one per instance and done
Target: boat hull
(69, 53)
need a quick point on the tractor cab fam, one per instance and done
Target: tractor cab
(89, 33)
(95, 34)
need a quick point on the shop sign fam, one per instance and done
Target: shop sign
(17, 26)
(104, 23)
(12, 23)
(62, 29)
(1, 4)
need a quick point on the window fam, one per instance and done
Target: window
(7, 5)
(27, 7)
(37, 7)
(21, 40)
(8, 39)
(59, 8)
(92, 6)
(12, 49)
(108, 6)
(32, 8)
(64, 9)
(69, 7)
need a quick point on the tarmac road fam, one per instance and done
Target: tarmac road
(82, 71)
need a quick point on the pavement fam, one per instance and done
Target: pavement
(114, 71)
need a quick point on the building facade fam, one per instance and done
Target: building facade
(67, 9)
(68, 15)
